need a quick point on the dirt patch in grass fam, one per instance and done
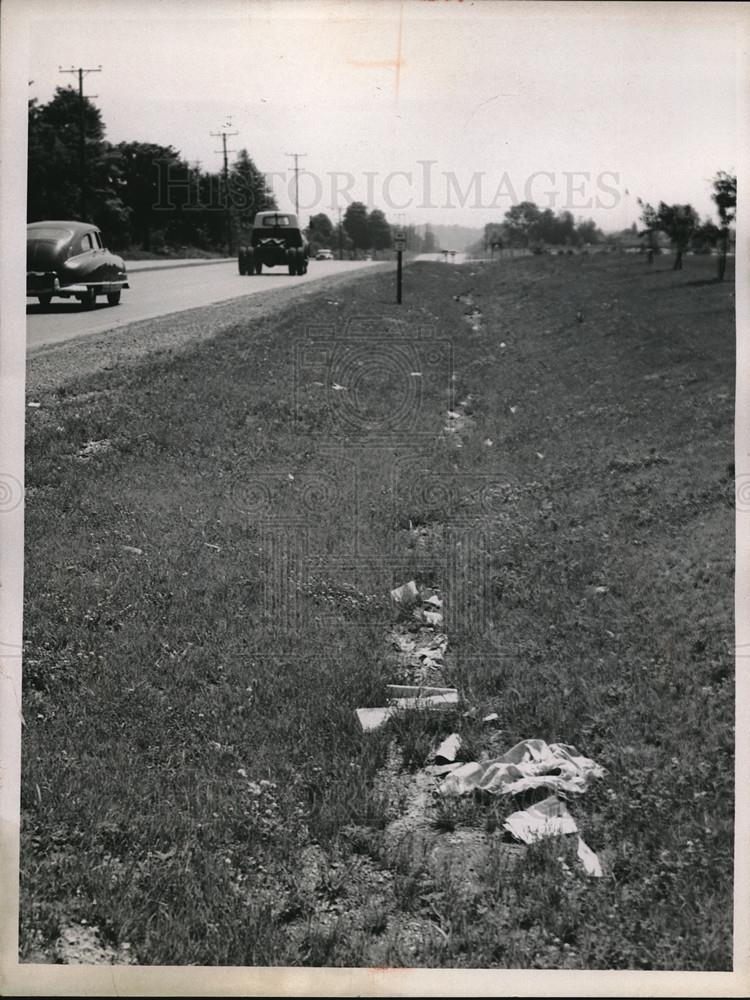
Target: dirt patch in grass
(207, 604)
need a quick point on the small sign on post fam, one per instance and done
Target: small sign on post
(399, 242)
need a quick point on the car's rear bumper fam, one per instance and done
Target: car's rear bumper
(48, 283)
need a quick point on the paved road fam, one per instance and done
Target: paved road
(457, 258)
(158, 292)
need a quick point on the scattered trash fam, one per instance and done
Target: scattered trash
(446, 752)
(407, 698)
(133, 549)
(373, 718)
(502, 343)
(210, 545)
(406, 594)
(438, 770)
(492, 717)
(548, 818)
(488, 442)
(416, 691)
(338, 388)
(513, 409)
(416, 374)
(588, 859)
(539, 454)
(601, 590)
(34, 406)
(529, 764)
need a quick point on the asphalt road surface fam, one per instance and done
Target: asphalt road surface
(162, 291)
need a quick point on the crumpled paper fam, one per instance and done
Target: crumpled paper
(550, 818)
(529, 764)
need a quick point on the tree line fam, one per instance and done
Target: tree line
(141, 194)
(363, 230)
(526, 226)
(146, 196)
(682, 226)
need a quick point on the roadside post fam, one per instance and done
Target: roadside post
(399, 242)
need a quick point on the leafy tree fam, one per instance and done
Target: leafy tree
(144, 172)
(705, 237)
(378, 230)
(341, 239)
(320, 232)
(679, 222)
(725, 199)
(589, 232)
(520, 223)
(247, 191)
(355, 224)
(651, 226)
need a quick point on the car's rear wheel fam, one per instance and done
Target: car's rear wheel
(44, 300)
(113, 298)
(258, 266)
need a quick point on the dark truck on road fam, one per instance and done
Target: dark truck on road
(276, 241)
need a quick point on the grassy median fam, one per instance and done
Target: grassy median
(211, 537)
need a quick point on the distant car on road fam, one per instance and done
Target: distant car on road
(324, 255)
(69, 260)
(276, 240)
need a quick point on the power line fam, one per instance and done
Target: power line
(82, 71)
(224, 133)
(297, 157)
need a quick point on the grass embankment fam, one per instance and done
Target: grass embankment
(195, 782)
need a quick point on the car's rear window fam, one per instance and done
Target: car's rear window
(276, 220)
(50, 233)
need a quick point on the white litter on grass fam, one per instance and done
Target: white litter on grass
(34, 406)
(338, 388)
(133, 549)
(416, 374)
(548, 818)
(529, 764)
(492, 717)
(446, 752)
(433, 618)
(407, 698)
(406, 594)
(591, 863)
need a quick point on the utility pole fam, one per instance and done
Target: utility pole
(341, 239)
(296, 180)
(82, 71)
(224, 151)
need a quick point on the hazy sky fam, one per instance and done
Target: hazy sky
(637, 97)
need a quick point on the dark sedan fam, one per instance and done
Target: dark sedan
(69, 260)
